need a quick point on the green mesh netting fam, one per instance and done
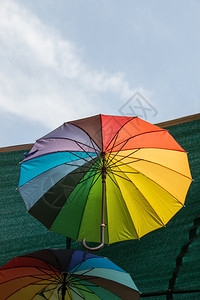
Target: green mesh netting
(19, 231)
(150, 261)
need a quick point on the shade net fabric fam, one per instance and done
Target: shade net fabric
(167, 257)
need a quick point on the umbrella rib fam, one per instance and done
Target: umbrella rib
(20, 288)
(50, 266)
(125, 156)
(74, 165)
(126, 205)
(82, 297)
(144, 196)
(81, 181)
(116, 153)
(77, 279)
(112, 179)
(82, 129)
(20, 277)
(121, 176)
(116, 136)
(148, 201)
(125, 164)
(119, 130)
(32, 298)
(41, 270)
(68, 164)
(61, 293)
(95, 161)
(75, 269)
(155, 163)
(45, 290)
(95, 180)
(56, 275)
(69, 294)
(81, 157)
(160, 187)
(132, 137)
(131, 172)
(32, 276)
(69, 139)
(163, 188)
(93, 143)
(78, 283)
(81, 289)
(73, 273)
(84, 171)
(62, 138)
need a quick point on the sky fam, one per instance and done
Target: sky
(65, 60)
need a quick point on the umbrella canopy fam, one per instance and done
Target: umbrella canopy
(65, 274)
(113, 173)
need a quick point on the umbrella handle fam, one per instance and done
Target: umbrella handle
(97, 247)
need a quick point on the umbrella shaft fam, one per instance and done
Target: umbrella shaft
(103, 173)
(64, 286)
(103, 191)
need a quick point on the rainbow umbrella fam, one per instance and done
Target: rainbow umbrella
(65, 274)
(105, 179)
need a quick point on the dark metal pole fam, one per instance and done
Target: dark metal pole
(68, 243)
(103, 197)
(169, 295)
(63, 289)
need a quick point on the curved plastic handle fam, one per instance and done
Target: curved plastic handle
(97, 247)
(91, 248)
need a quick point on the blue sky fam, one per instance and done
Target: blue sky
(63, 60)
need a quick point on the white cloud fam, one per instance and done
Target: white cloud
(42, 75)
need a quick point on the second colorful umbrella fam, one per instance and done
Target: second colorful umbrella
(65, 274)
